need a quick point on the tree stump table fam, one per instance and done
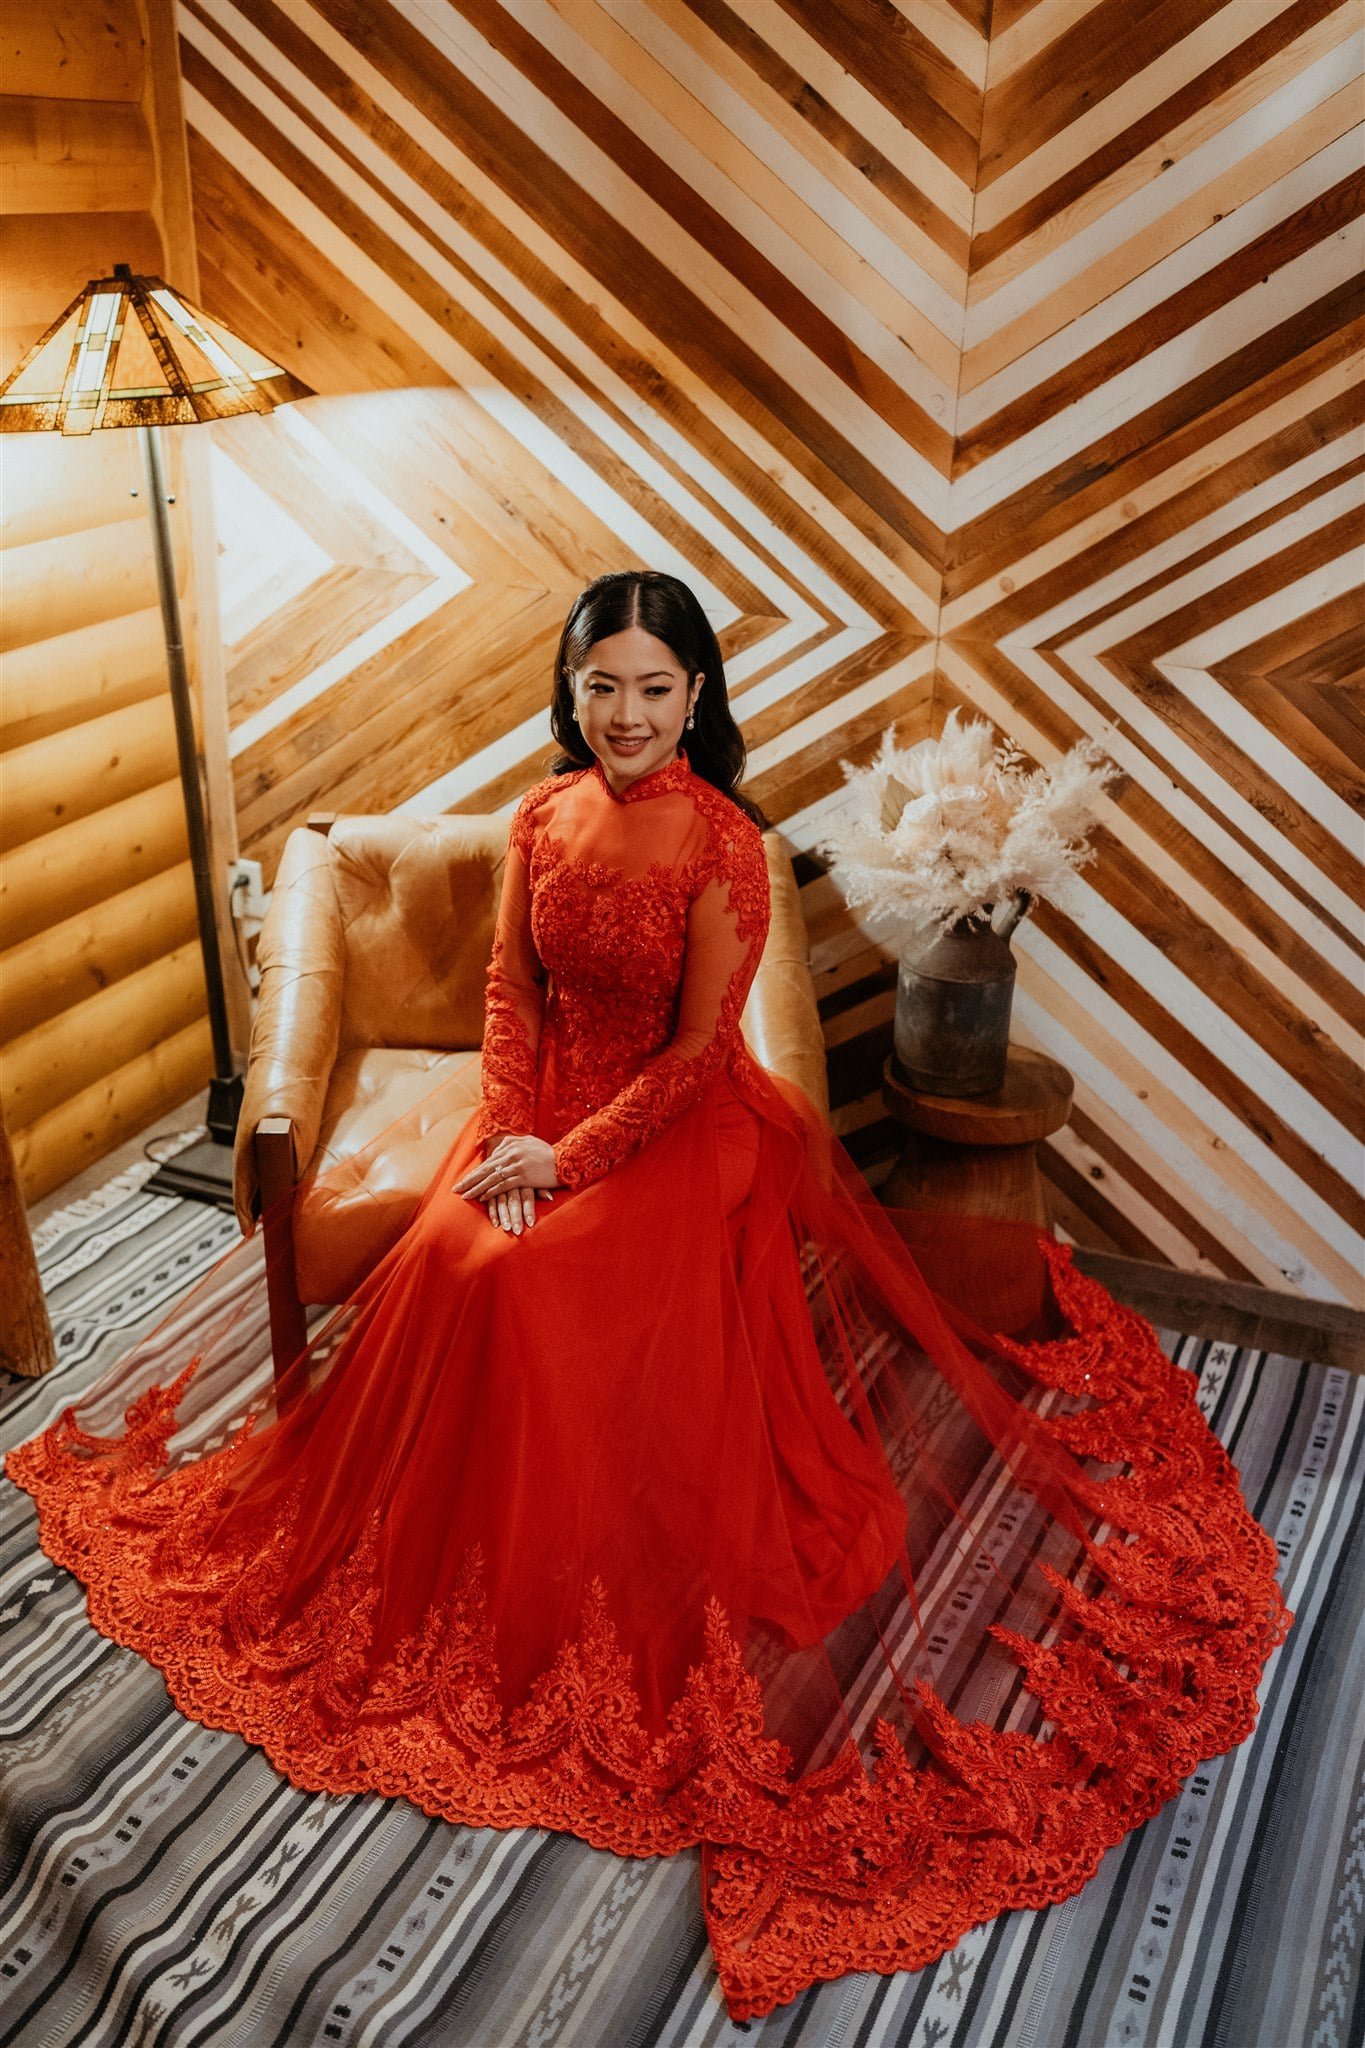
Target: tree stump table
(977, 1155)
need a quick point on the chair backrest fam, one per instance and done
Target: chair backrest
(396, 914)
(417, 899)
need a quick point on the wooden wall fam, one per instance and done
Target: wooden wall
(1156, 538)
(956, 352)
(102, 1025)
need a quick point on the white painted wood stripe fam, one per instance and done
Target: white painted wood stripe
(309, 688)
(1340, 577)
(265, 558)
(747, 514)
(1117, 267)
(1109, 1180)
(1248, 556)
(1136, 1067)
(1090, 326)
(964, 45)
(1138, 94)
(1119, 1102)
(1277, 761)
(864, 280)
(465, 369)
(1033, 32)
(731, 538)
(1221, 801)
(1135, 761)
(360, 487)
(509, 411)
(894, 138)
(787, 677)
(713, 281)
(468, 776)
(1227, 1040)
(533, 735)
(1235, 147)
(783, 746)
(1212, 460)
(1047, 447)
(1157, 160)
(857, 189)
(1237, 1175)
(1164, 560)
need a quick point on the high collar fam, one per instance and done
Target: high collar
(674, 774)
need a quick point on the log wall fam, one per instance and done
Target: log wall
(102, 1025)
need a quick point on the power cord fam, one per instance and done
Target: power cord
(251, 974)
(176, 1140)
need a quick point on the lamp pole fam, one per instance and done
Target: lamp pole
(225, 1089)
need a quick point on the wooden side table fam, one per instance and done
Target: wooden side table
(977, 1155)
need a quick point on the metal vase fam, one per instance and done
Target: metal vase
(953, 998)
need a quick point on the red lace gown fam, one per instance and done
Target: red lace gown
(720, 1507)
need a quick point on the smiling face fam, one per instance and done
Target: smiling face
(632, 696)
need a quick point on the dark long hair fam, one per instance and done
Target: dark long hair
(665, 607)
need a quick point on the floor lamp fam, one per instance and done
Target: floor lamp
(131, 352)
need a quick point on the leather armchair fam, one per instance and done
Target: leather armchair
(373, 958)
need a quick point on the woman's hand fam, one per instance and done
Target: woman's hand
(507, 1182)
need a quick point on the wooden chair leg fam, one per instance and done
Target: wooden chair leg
(275, 1168)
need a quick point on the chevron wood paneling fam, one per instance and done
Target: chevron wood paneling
(1157, 504)
(997, 355)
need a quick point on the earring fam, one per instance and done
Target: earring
(690, 719)
(574, 716)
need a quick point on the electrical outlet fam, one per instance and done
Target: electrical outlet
(246, 890)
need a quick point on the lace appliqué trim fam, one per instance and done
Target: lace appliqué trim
(508, 1073)
(851, 1867)
(510, 1053)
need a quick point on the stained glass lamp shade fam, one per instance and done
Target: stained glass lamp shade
(133, 352)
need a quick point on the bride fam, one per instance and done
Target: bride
(659, 1485)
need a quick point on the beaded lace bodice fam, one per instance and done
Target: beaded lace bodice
(629, 931)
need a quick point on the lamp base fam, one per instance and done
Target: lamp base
(225, 1106)
(203, 1171)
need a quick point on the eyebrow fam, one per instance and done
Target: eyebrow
(653, 675)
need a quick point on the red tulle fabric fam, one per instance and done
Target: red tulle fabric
(883, 1555)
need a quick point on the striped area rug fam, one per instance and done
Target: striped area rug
(160, 1884)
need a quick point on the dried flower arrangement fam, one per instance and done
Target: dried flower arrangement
(958, 828)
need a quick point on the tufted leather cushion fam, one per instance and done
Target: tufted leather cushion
(417, 899)
(420, 1101)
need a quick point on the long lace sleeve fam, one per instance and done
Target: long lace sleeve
(727, 924)
(514, 1001)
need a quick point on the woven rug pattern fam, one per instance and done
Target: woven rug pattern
(161, 1886)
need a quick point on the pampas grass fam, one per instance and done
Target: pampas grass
(960, 828)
